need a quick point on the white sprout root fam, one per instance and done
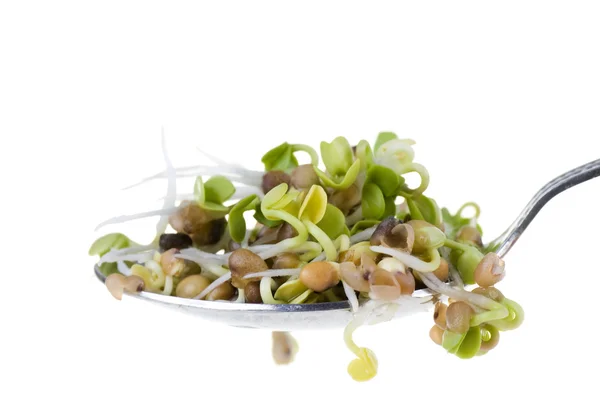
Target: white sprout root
(170, 198)
(208, 265)
(163, 212)
(271, 273)
(135, 254)
(435, 284)
(362, 236)
(217, 282)
(351, 295)
(407, 259)
(123, 268)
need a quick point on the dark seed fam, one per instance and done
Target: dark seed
(168, 241)
(383, 229)
(211, 234)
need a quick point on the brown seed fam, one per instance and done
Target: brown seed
(458, 317)
(243, 262)
(489, 292)
(319, 276)
(286, 231)
(469, 234)
(439, 314)
(490, 270)
(224, 291)
(304, 176)
(134, 284)
(272, 179)
(284, 347)
(354, 277)
(117, 283)
(252, 293)
(189, 218)
(436, 334)
(406, 281)
(442, 271)
(191, 286)
(266, 235)
(494, 337)
(383, 229)
(384, 285)
(286, 261)
(346, 199)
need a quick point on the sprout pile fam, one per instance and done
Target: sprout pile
(345, 227)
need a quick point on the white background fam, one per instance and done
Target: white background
(499, 96)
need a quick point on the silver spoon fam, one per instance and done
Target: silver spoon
(292, 317)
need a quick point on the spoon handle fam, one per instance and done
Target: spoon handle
(504, 242)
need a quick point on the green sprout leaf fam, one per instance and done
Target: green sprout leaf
(280, 158)
(387, 180)
(515, 317)
(274, 195)
(110, 241)
(452, 340)
(337, 156)
(218, 189)
(343, 182)
(260, 218)
(236, 221)
(199, 192)
(373, 202)
(333, 222)
(290, 290)
(390, 207)
(423, 207)
(470, 345)
(364, 154)
(466, 264)
(314, 205)
(384, 137)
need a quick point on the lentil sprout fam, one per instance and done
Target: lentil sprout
(352, 231)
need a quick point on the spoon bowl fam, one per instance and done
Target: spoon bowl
(277, 317)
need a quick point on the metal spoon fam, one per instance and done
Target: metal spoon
(292, 317)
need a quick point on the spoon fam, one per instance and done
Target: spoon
(292, 317)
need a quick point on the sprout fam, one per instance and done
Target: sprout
(236, 221)
(320, 276)
(439, 315)
(320, 236)
(469, 235)
(436, 334)
(243, 262)
(168, 241)
(284, 349)
(489, 271)
(152, 275)
(303, 177)
(117, 284)
(458, 317)
(224, 291)
(274, 178)
(252, 292)
(191, 286)
(426, 236)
